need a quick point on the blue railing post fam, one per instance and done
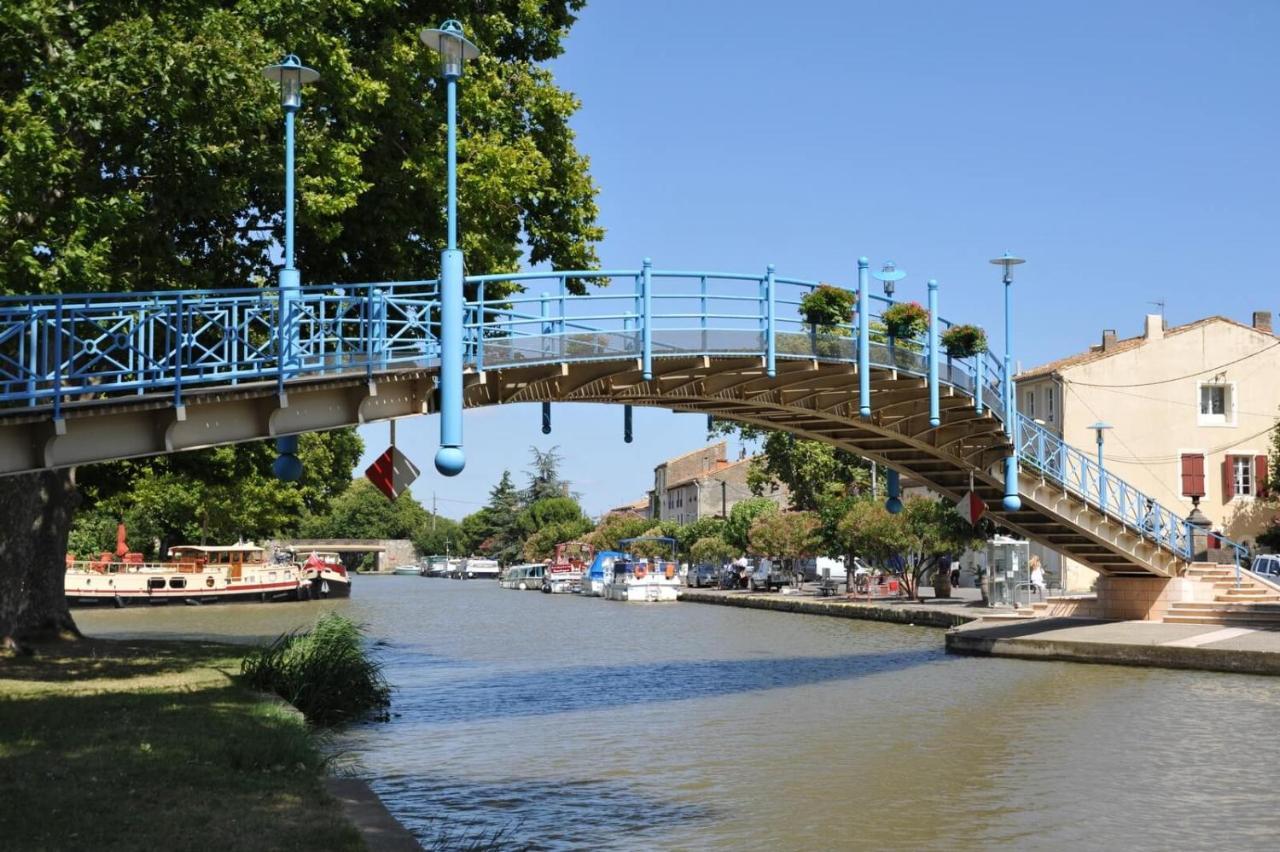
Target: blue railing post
(177, 353)
(935, 415)
(480, 321)
(646, 331)
(864, 340)
(57, 359)
(771, 331)
(544, 310)
(977, 382)
(702, 305)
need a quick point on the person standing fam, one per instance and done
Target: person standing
(1037, 576)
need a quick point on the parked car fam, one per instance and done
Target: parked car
(767, 575)
(702, 574)
(1267, 565)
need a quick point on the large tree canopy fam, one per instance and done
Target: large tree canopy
(140, 147)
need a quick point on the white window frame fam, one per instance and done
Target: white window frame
(1249, 456)
(1177, 471)
(1029, 403)
(1050, 410)
(1230, 404)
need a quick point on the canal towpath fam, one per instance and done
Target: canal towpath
(977, 630)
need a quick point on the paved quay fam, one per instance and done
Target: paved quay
(1207, 647)
(949, 612)
(977, 630)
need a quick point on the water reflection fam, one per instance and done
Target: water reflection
(586, 724)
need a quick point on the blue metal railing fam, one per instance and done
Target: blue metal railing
(62, 349)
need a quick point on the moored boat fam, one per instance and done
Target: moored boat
(643, 579)
(593, 579)
(328, 577)
(571, 560)
(193, 574)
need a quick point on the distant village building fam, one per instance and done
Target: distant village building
(701, 484)
(636, 509)
(1191, 409)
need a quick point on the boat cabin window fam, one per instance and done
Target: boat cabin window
(177, 582)
(155, 582)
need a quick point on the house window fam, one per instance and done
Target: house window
(1242, 474)
(1029, 404)
(1217, 404)
(1049, 403)
(1245, 476)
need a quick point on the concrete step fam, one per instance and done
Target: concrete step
(1247, 594)
(1226, 606)
(1233, 620)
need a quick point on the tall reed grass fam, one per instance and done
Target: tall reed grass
(326, 672)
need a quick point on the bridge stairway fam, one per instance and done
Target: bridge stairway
(1253, 603)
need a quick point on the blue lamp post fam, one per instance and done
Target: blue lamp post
(454, 50)
(1011, 502)
(290, 75)
(1099, 428)
(888, 276)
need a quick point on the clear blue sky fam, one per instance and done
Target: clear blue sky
(1127, 150)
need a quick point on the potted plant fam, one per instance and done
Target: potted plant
(826, 306)
(905, 320)
(963, 341)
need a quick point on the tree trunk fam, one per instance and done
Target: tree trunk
(942, 579)
(36, 510)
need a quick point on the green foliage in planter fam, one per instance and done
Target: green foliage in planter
(827, 306)
(905, 319)
(964, 341)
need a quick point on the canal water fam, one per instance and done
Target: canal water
(560, 723)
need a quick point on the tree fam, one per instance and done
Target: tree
(916, 539)
(712, 549)
(544, 476)
(439, 535)
(613, 528)
(140, 150)
(806, 468)
(362, 511)
(741, 517)
(546, 512)
(687, 534)
(787, 536)
(541, 544)
(494, 530)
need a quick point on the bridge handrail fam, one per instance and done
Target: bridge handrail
(1063, 464)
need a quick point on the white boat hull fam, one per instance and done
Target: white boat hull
(642, 591)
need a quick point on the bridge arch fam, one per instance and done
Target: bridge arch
(97, 377)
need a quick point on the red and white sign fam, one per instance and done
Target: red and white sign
(392, 473)
(971, 508)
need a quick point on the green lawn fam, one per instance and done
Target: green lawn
(149, 745)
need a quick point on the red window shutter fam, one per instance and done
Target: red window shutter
(1260, 475)
(1193, 474)
(1228, 480)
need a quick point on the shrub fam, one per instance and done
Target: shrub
(905, 320)
(827, 306)
(964, 341)
(326, 672)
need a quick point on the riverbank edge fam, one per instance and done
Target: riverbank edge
(943, 616)
(977, 640)
(360, 807)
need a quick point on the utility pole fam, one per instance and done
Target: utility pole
(433, 511)
(724, 500)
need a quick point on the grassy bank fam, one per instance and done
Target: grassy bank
(150, 745)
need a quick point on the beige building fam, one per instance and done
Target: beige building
(701, 484)
(1191, 409)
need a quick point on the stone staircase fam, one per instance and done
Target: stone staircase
(1219, 601)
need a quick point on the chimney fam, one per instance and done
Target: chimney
(1108, 339)
(1155, 327)
(1262, 321)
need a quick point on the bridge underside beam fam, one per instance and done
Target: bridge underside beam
(811, 399)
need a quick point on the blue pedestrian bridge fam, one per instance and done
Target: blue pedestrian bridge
(94, 377)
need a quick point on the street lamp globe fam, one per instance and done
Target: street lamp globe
(290, 75)
(889, 275)
(1008, 261)
(451, 44)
